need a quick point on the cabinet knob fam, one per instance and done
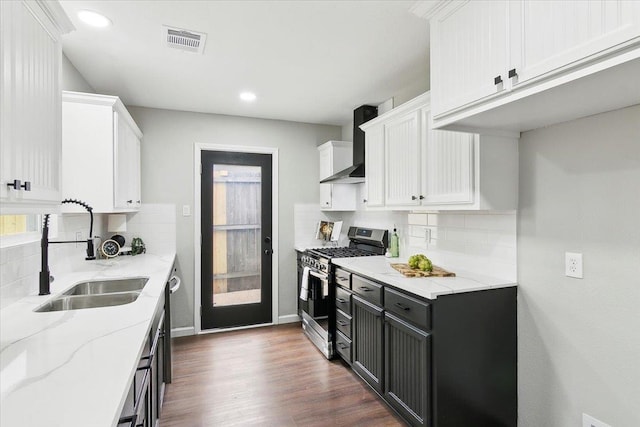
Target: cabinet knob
(364, 200)
(414, 198)
(129, 201)
(497, 80)
(138, 201)
(512, 73)
(421, 197)
(15, 184)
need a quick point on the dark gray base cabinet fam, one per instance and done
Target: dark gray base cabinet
(407, 355)
(447, 362)
(368, 339)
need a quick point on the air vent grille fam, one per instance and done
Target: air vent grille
(186, 40)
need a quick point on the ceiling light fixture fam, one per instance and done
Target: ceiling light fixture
(248, 96)
(94, 19)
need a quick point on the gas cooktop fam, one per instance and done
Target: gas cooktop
(342, 252)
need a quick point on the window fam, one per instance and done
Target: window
(19, 229)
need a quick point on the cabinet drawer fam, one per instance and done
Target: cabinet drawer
(343, 323)
(343, 278)
(367, 289)
(408, 308)
(343, 346)
(343, 300)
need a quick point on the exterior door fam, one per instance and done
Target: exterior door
(236, 239)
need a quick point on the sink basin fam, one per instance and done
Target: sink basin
(97, 287)
(76, 302)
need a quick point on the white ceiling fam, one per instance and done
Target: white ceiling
(307, 61)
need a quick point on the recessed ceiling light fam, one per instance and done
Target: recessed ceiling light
(94, 18)
(248, 96)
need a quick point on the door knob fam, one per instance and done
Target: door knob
(267, 239)
(268, 251)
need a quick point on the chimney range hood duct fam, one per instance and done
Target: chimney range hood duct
(356, 173)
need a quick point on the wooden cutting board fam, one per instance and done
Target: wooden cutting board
(410, 272)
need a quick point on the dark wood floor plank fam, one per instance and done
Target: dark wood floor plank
(271, 376)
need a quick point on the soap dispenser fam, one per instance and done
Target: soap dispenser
(395, 244)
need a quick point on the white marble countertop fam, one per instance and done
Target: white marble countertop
(74, 368)
(379, 268)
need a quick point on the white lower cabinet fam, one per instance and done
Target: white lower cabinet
(434, 169)
(30, 55)
(100, 153)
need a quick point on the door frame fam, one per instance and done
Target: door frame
(197, 235)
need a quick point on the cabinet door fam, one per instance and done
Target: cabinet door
(468, 51)
(547, 35)
(407, 370)
(367, 346)
(127, 166)
(374, 166)
(325, 171)
(402, 150)
(448, 160)
(30, 141)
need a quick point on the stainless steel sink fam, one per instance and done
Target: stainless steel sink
(76, 302)
(97, 287)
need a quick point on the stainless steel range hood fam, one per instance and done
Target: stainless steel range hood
(356, 173)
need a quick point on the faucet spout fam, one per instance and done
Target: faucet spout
(45, 275)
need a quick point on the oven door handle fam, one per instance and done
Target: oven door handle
(318, 275)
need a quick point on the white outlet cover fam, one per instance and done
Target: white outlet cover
(589, 421)
(573, 265)
(186, 210)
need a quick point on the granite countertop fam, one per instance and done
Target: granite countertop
(379, 268)
(74, 368)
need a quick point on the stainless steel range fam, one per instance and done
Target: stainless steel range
(316, 284)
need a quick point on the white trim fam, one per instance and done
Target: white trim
(289, 318)
(197, 154)
(182, 332)
(236, 328)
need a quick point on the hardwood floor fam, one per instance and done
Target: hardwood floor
(270, 376)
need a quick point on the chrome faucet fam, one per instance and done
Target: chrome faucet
(45, 275)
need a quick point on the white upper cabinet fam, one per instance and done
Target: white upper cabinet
(423, 168)
(468, 53)
(402, 153)
(548, 35)
(374, 166)
(336, 156)
(30, 133)
(512, 66)
(100, 153)
(448, 165)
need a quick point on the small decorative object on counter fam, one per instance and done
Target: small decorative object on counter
(395, 244)
(110, 248)
(137, 246)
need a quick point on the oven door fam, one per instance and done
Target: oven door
(316, 313)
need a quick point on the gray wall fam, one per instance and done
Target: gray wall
(579, 340)
(72, 79)
(168, 177)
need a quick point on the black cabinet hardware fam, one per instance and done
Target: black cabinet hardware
(402, 306)
(365, 289)
(17, 185)
(342, 322)
(497, 80)
(421, 197)
(512, 73)
(364, 200)
(414, 198)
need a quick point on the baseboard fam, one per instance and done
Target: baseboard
(183, 332)
(289, 318)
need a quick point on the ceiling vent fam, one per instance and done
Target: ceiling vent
(186, 40)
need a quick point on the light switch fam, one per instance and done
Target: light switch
(186, 210)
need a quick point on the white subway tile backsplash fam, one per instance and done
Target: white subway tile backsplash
(417, 219)
(479, 241)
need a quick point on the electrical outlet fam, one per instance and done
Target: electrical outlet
(186, 210)
(573, 265)
(78, 237)
(589, 421)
